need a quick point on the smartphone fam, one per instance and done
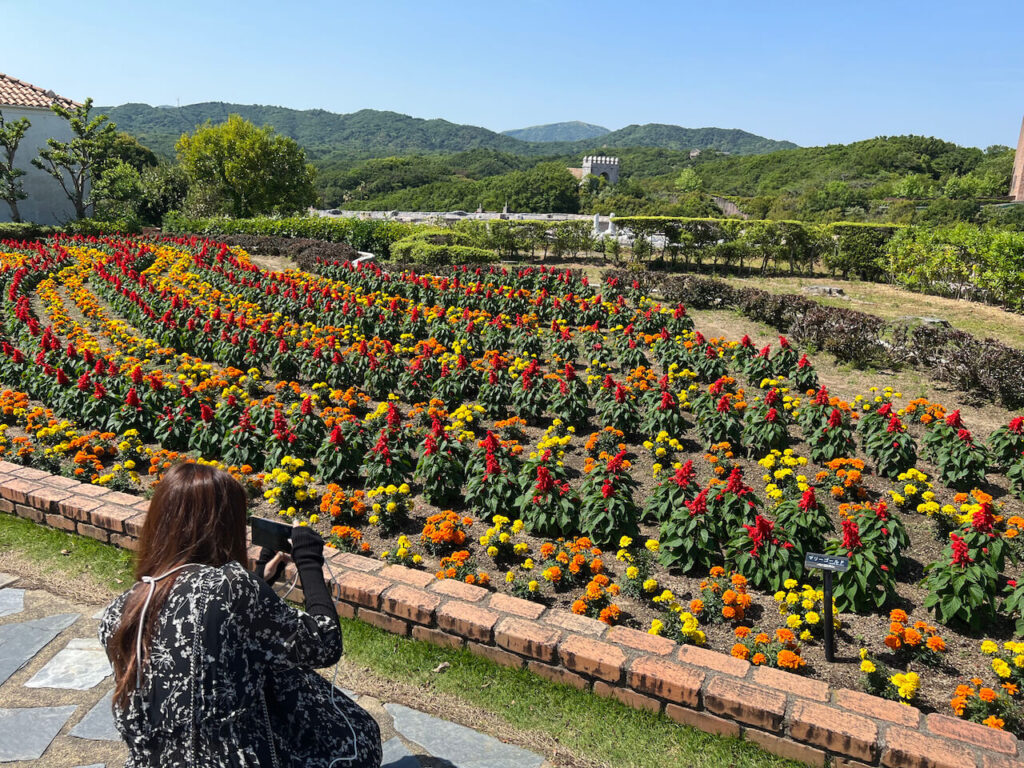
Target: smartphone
(271, 534)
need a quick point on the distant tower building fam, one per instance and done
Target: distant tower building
(1017, 184)
(599, 165)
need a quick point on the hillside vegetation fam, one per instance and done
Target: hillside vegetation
(574, 130)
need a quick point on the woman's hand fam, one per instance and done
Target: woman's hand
(279, 559)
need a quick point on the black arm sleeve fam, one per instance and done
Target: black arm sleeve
(308, 554)
(261, 566)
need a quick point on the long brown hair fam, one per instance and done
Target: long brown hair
(197, 515)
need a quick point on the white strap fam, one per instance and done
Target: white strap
(151, 580)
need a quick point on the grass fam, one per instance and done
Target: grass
(75, 557)
(599, 731)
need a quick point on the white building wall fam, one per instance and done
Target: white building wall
(46, 202)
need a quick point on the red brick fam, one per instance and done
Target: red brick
(785, 748)
(642, 641)
(557, 674)
(845, 762)
(581, 625)
(999, 761)
(17, 490)
(626, 696)
(6, 506)
(410, 603)
(909, 749)
(878, 708)
(360, 588)
(702, 721)
(798, 685)
(592, 657)
(973, 733)
(46, 498)
(110, 517)
(133, 525)
(471, 593)
(746, 703)
(383, 621)
(345, 610)
(516, 606)
(528, 638)
(355, 562)
(92, 491)
(77, 507)
(405, 575)
(496, 655)
(29, 473)
(834, 729)
(661, 677)
(720, 662)
(9, 467)
(467, 620)
(59, 521)
(437, 637)
(64, 483)
(93, 532)
(124, 542)
(29, 513)
(121, 499)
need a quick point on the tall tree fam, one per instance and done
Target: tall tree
(76, 163)
(11, 190)
(240, 170)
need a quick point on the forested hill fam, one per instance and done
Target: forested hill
(573, 130)
(372, 133)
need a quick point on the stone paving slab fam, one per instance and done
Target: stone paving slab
(397, 756)
(26, 733)
(462, 746)
(12, 600)
(20, 641)
(7, 578)
(78, 667)
(98, 724)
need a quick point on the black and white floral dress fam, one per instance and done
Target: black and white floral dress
(230, 682)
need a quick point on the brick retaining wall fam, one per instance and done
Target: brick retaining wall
(790, 715)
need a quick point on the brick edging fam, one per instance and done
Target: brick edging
(789, 715)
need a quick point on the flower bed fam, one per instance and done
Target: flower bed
(583, 451)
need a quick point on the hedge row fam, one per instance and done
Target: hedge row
(984, 367)
(373, 235)
(26, 230)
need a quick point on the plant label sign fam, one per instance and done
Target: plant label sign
(826, 562)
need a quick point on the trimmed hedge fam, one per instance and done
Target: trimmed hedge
(373, 235)
(438, 245)
(26, 230)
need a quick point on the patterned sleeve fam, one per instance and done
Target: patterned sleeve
(278, 634)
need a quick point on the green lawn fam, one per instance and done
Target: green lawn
(593, 728)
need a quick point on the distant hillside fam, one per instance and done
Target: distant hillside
(372, 133)
(570, 131)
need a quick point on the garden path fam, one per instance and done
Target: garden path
(55, 689)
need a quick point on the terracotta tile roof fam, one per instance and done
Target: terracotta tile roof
(18, 93)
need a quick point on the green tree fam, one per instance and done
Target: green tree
(689, 181)
(237, 169)
(11, 189)
(77, 163)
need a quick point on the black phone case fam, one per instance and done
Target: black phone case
(271, 534)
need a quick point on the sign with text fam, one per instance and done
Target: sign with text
(826, 562)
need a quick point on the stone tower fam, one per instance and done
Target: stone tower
(599, 165)
(1017, 182)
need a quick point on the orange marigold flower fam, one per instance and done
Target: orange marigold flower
(729, 597)
(994, 722)
(893, 642)
(716, 571)
(696, 606)
(936, 643)
(1011, 688)
(762, 638)
(790, 660)
(757, 659)
(741, 632)
(579, 607)
(912, 638)
(987, 694)
(977, 682)
(729, 612)
(740, 651)
(784, 635)
(739, 580)
(898, 614)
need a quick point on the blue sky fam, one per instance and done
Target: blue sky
(813, 73)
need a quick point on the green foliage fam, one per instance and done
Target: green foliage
(237, 169)
(75, 164)
(11, 190)
(573, 130)
(437, 245)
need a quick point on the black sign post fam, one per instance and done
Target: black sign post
(829, 564)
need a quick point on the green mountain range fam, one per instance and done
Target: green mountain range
(331, 137)
(570, 131)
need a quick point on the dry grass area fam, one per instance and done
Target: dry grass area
(891, 303)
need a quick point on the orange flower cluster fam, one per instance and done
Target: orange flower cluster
(761, 649)
(339, 502)
(843, 478)
(579, 558)
(919, 637)
(603, 440)
(11, 400)
(974, 700)
(727, 598)
(445, 530)
(721, 458)
(347, 538)
(923, 411)
(460, 566)
(596, 600)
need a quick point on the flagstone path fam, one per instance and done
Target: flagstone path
(56, 686)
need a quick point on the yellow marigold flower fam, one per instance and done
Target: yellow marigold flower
(867, 666)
